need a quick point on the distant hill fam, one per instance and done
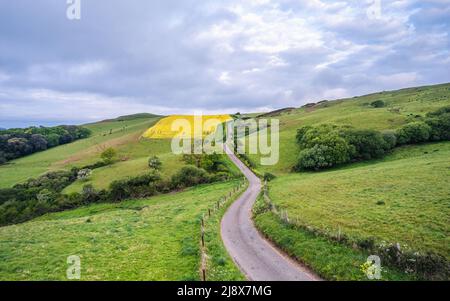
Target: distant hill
(277, 112)
(133, 117)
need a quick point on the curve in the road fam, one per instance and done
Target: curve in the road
(256, 257)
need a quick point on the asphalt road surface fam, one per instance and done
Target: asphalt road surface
(258, 259)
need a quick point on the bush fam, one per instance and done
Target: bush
(137, 187)
(367, 144)
(109, 155)
(329, 151)
(189, 176)
(268, 176)
(415, 132)
(154, 163)
(439, 121)
(378, 104)
(390, 139)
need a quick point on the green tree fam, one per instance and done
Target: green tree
(330, 150)
(109, 155)
(415, 132)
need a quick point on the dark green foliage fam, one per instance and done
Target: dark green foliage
(368, 144)
(209, 162)
(16, 143)
(189, 176)
(412, 133)
(269, 177)
(390, 139)
(138, 187)
(378, 104)
(439, 121)
(323, 147)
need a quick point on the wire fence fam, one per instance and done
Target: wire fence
(223, 201)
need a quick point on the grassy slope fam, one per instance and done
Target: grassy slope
(79, 153)
(413, 183)
(356, 112)
(153, 239)
(330, 260)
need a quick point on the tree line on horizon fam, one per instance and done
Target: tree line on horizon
(17, 143)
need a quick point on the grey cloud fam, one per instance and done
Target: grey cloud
(178, 56)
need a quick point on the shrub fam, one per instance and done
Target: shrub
(309, 136)
(378, 104)
(109, 155)
(189, 176)
(390, 139)
(268, 176)
(89, 194)
(415, 132)
(154, 163)
(141, 186)
(439, 121)
(367, 144)
(329, 151)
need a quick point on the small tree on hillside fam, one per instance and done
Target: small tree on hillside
(109, 155)
(154, 163)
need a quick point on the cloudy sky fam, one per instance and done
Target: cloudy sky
(180, 56)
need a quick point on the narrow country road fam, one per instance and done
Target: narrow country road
(255, 256)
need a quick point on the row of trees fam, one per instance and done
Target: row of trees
(325, 146)
(16, 143)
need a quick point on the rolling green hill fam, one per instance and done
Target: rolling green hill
(117, 134)
(403, 198)
(402, 106)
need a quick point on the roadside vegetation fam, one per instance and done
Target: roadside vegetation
(155, 238)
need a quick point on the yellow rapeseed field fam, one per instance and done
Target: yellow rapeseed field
(180, 125)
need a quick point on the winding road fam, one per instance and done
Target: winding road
(258, 259)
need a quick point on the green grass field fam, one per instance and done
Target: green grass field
(151, 239)
(330, 260)
(403, 198)
(124, 135)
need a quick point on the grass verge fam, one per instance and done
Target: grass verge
(330, 260)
